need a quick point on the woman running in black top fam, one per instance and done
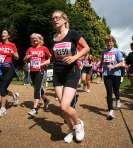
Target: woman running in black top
(66, 71)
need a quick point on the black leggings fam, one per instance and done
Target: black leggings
(37, 78)
(112, 84)
(8, 73)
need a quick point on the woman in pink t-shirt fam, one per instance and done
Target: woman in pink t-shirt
(38, 56)
(8, 51)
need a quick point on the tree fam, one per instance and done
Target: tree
(23, 17)
(94, 28)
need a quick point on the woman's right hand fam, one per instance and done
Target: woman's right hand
(27, 57)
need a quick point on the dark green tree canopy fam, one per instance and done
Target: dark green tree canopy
(23, 17)
(95, 28)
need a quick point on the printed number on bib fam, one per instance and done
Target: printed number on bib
(35, 62)
(109, 57)
(86, 63)
(61, 52)
(62, 49)
(2, 58)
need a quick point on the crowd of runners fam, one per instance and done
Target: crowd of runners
(72, 64)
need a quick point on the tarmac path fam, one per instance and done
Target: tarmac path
(47, 129)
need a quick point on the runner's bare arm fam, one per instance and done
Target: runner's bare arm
(46, 62)
(15, 55)
(85, 49)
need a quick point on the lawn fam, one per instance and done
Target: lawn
(125, 84)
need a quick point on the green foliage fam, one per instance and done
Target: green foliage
(126, 83)
(23, 17)
(93, 27)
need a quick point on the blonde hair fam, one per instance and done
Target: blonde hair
(39, 36)
(5, 31)
(64, 16)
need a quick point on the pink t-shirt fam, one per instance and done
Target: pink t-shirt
(38, 56)
(6, 52)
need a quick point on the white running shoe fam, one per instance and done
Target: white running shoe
(79, 131)
(84, 87)
(15, 98)
(3, 111)
(87, 90)
(118, 103)
(69, 137)
(33, 112)
(110, 115)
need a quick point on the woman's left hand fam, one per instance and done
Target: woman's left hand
(69, 59)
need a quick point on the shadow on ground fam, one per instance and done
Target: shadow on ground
(52, 94)
(55, 110)
(9, 105)
(27, 104)
(94, 109)
(53, 128)
(128, 104)
(127, 93)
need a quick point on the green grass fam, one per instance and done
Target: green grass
(125, 84)
(17, 82)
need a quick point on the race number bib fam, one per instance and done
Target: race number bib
(35, 63)
(62, 49)
(2, 58)
(86, 63)
(109, 57)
